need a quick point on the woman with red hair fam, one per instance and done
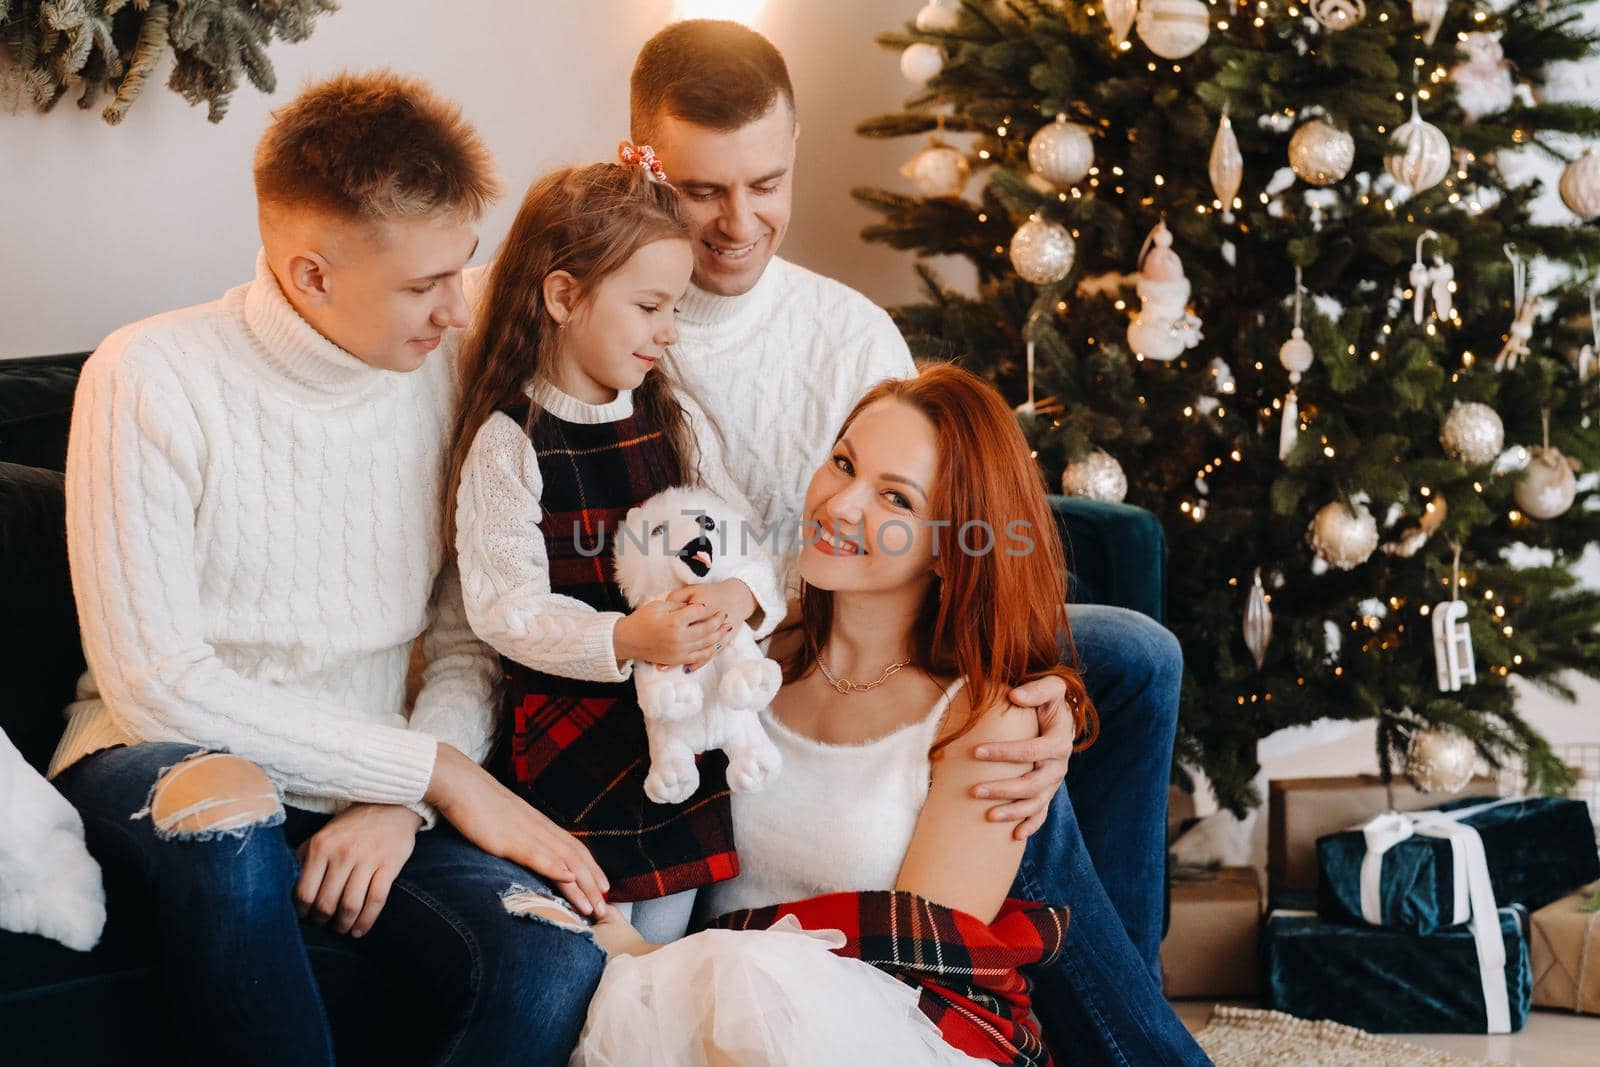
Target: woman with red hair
(871, 922)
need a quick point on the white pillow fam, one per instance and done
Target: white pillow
(49, 884)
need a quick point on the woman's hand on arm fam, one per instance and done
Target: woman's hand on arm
(959, 857)
(503, 824)
(1041, 760)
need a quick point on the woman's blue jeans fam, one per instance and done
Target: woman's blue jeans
(1102, 852)
(235, 974)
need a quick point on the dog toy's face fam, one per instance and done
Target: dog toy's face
(677, 537)
(692, 558)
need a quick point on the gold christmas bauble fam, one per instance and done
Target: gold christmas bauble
(1440, 761)
(938, 170)
(1320, 153)
(1580, 185)
(1097, 476)
(1343, 537)
(1549, 485)
(1042, 251)
(1472, 433)
(1338, 14)
(1062, 152)
(1173, 29)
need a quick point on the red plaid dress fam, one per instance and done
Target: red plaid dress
(969, 973)
(576, 750)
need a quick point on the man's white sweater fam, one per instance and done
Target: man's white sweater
(778, 369)
(253, 528)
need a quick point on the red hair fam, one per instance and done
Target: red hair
(995, 618)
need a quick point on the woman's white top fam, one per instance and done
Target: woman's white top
(838, 818)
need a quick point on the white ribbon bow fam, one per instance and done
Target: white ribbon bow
(1474, 893)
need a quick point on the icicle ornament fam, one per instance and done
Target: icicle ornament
(1226, 166)
(1296, 356)
(1257, 622)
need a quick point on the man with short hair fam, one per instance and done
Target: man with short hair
(253, 494)
(777, 355)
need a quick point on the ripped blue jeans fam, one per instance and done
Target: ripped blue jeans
(235, 974)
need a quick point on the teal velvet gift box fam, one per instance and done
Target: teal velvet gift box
(1387, 981)
(1537, 849)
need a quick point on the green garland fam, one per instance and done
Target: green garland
(47, 47)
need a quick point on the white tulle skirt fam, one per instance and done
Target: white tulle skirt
(757, 998)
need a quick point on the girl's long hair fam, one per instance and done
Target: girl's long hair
(587, 221)
(995, 618)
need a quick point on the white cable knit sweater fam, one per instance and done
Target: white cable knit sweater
(253, 528)
(778, 369)
(505, 568)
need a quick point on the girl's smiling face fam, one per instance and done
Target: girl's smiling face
(614, 334)
(868, 516)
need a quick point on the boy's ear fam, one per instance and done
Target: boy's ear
(308, 277)
(561, 296)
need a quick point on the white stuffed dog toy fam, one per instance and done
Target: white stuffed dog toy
(683, 537)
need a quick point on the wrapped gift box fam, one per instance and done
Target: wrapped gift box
(1211, 947)
(1389, 981)
(1536, 849)
(1301, 810)
(1564, 950)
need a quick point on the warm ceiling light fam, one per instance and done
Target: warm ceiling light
(745, 11)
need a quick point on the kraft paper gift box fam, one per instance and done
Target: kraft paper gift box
(1391, 982)
(1408, 872)
(1211, 947)
(1300, 810)
(1564, 948)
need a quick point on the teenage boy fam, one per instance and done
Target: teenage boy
(253, 494)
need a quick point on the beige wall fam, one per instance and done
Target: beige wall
(104, 225)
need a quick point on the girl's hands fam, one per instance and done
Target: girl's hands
(503, 824)
(731, 596)
(669, 633)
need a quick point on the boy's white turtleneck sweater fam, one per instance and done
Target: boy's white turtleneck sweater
(778, 369)
(253, 527)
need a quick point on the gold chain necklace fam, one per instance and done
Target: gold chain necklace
(845, 686)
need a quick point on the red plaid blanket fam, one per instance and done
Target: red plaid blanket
(969, 973)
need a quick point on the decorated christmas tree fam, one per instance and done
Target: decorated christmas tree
(1266, 265)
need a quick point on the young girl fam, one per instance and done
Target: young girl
(566, 420)
(872, 923)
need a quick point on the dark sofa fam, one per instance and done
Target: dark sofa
(58, 1006)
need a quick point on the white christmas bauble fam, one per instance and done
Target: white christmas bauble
(921, 62)
(1226, 165)
(937, 18)
(1097, 476)
(1440, 761)
(1154, 336)
(1173, 29)
(1472, 433)
(1419, 154)
(1296, 354)
(1338, 14)
(1580, 185)
(1548, 486)
(1061, 152)
(1321, 153)
(1120, 14)
(938, 170)
(1429, 14)
(1042, 251)
(1343, 537)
